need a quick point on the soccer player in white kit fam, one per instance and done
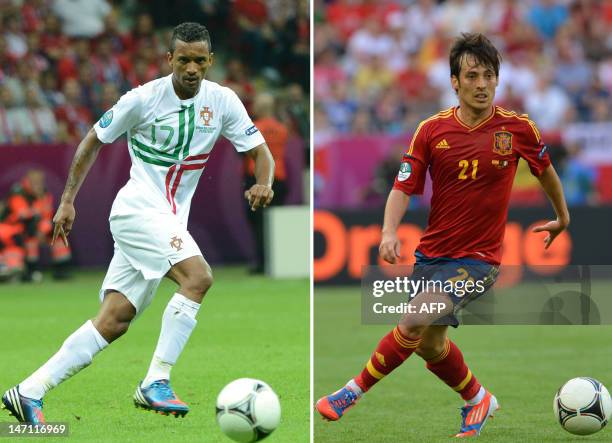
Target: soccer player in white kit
(172, 124)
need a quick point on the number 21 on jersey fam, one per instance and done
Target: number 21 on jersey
(464, 165)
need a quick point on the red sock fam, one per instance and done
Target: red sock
(452, 370)
(391, 352)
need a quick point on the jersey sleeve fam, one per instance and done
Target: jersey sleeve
(533, 150)
(410, 178)
(238, 127)
(123, 116)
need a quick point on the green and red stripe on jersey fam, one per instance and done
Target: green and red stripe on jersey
(173, 177)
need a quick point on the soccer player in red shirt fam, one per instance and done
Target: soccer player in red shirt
(472, 152)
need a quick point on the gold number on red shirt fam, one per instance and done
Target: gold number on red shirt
(464, 165)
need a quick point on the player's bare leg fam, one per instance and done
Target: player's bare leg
(445, 360)
(114, 317)
(24, 401)
(194, 277)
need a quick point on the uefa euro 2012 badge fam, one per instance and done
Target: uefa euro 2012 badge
(106, 119)
(404, 172)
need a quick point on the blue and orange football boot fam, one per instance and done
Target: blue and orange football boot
(473, 418)
(160, 397)
(332, 407)
(24, 409)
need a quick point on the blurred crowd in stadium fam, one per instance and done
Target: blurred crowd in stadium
(64, 62)
(382, 66)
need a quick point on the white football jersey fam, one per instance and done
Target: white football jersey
(170, 140)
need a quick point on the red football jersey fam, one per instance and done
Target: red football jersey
(472, 171)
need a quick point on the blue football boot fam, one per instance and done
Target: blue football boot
(160, 397)
(24, 409)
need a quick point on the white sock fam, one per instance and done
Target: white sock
(177, 324)
(354, 387)
(477, 398)
(75, 354)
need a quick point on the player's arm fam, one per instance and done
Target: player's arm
(397, 204)
(261, 193)
(549, 180)
(409, 180)
(83, 159)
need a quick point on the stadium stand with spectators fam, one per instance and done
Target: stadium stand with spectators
(382, 66)
(70, 54)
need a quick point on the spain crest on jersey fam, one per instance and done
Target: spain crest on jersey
(206, 114)
(502, 143)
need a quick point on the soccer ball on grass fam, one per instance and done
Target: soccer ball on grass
(582, 406)
(248, 410)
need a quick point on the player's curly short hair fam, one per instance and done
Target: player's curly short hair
(190, 32)
(478, 46)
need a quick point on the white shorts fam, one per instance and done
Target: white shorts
(146, 246)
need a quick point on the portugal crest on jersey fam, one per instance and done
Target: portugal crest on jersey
(206, 114)
(502, 143)
(176, 243)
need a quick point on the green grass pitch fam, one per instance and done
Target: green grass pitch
(522, 365)
(247, 327)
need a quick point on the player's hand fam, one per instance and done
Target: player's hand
(554, 228)
(62, 222)
(259, 196)
(389, 248)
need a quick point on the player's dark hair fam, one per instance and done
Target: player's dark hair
(479, 47)
(190, 32)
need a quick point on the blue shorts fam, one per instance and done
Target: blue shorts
(462, 279)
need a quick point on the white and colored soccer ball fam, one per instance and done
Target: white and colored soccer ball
(582, 406)
(248, 410)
